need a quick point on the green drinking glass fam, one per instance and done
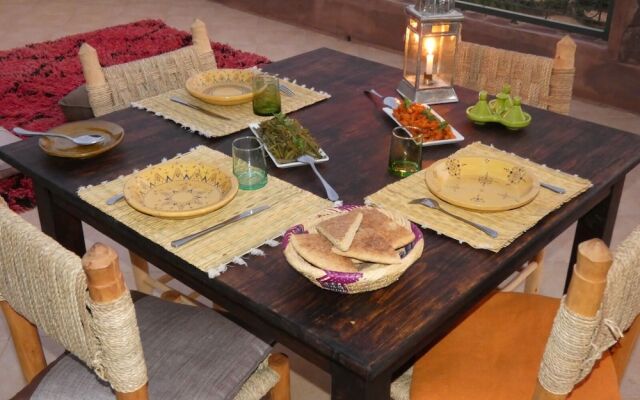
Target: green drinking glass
(405, 152)
(249, 163)
(266, 95)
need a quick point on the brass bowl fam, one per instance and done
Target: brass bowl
(223, 87)
(180, 189)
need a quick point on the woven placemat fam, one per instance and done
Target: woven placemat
(241, 115)
(510, 224)
(213, 252)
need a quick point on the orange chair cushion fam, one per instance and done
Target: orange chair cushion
(495, 354)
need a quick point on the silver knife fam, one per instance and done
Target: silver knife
(553, 188)
(114, 199)
(186, 103)
(238, 217)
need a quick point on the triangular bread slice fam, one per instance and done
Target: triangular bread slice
(368, 245)
(316, 249)
(341, 230)
(396, 234)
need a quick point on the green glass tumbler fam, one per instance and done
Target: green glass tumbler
(249, 163)
(405, 152)
(266, 95)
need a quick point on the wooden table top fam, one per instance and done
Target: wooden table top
(369, 333)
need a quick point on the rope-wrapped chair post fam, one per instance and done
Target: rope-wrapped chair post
(562, 76)
(116, 87)
(114, 323)
(42, 284)
(600, 306)
(575, 324)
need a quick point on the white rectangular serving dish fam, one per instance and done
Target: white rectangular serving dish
(458, 136)
(257, 131)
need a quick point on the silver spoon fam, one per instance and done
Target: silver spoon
(432, 203)
(83, 140)
(391, 102)
(331, 194)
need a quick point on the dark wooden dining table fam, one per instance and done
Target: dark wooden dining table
(363, 340)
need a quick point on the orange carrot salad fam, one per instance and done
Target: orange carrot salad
(420, 116)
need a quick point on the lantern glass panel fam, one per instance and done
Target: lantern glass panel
(412, 54)
(438, 51)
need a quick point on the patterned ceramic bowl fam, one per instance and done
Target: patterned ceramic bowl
(224, 87)
(180, 189)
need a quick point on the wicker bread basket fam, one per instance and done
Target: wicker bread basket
(371, 277)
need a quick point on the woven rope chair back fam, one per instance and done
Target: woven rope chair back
(46, 284)
(116, 87)
(540, 81)
(577, 340)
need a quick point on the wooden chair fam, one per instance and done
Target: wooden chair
(116, 87)
(495, 352)
(85, 306)
(540, 81)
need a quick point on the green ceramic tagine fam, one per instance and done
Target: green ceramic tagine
(514, 118)
(503, 109)
(481, 112)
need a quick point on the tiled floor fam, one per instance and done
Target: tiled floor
(28, 21)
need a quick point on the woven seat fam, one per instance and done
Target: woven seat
(185, 352)
(495, 353)
(540, 81)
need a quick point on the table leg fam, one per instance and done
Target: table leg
(597, 223)
(58, 223)
(345, 385)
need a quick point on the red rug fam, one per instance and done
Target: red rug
(33, 78)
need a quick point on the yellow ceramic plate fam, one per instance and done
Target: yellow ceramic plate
(485, 184)
(112, 133)
(180, 189)
(224, 87)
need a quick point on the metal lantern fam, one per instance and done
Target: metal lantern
(431, 39)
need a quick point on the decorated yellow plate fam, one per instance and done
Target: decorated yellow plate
(485, 184)
(58, 147)
(224, 87)
(180, 189)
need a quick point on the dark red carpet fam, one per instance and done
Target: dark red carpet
(33, 78)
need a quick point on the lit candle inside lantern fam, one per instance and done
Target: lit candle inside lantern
(430, 46)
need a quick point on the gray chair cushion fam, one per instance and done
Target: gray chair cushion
(75, 105)
(191, 353)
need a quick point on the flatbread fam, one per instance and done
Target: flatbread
(395, 234)
(370, 246)
(341, 230)
(316, 249)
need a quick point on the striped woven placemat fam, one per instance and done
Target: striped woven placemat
(241, 115)
(510, 224)
(213, 252)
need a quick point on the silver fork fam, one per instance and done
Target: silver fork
(286, 91)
